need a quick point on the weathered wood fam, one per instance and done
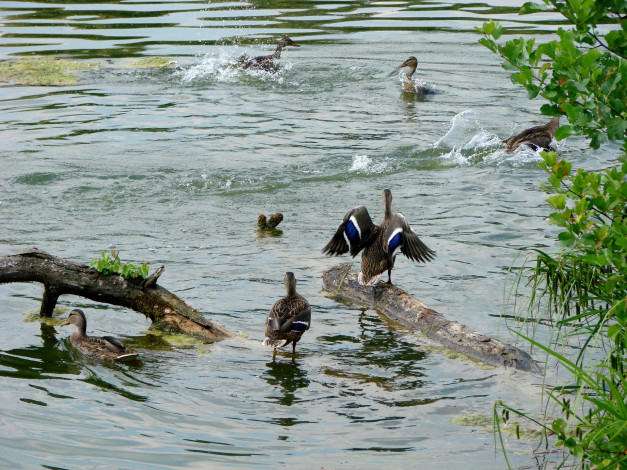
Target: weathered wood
(395, 303)
(49, 301)
(60, 276)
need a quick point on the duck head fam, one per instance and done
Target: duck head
(412, 62)
(290, 283)
(77, 318)
(387, 202)
(285, 41)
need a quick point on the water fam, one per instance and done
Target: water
(173, 166)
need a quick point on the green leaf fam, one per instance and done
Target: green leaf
(563, 132)
(531, 7)
(488, 27)
(566, 238)
(558, 201)
(614, 330)
(489, 43)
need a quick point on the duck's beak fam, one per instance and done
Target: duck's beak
(295, 44)
(404, 64)
(65, 323)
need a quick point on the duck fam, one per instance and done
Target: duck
(379, 243)
(268, 224)
(105, 348)
(289, 317)
(537, 137)
(409, 85)
(270, 62)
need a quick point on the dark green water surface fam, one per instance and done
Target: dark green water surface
(172, 166)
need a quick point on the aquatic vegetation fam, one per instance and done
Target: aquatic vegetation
(180, 341)
(57, 318)
(109, 262)
(42, 71)
(151, 62)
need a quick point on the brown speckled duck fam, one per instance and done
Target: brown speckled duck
(538, 137)
(269, 63)
(289, 317)
(379, 243)
(105, 348)
(409, 85)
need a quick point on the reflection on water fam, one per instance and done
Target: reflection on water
(378, 355)
(288, 376)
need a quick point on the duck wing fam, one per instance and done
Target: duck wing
(353, 233)
(400, 235)
(265, 62)
(112, 344)
(292, 314)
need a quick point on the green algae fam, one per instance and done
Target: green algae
(151, 63)
(57, 319)
(181, 341)
(473, 420)
(512, 428)
(42, 71)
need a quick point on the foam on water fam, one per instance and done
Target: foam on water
(223, 67)
(428, 87)
(468, 143)
(364, 164)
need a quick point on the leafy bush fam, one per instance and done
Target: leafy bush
(109, 262)
(582, 289)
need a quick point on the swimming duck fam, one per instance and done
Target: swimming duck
(105, 348)
(378, 242)
(270, 62)
(538, 137)
(264, 223)
(409, 85)
(289, 317)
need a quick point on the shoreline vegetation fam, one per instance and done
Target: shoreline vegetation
(580, 291)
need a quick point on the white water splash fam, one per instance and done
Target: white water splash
(221, 68)
(225, 67)
(469, 143)
(427, 87)
(364, 164)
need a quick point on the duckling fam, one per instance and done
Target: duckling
(105, 348)
(409, 85)
(538, 137)
(269, 63)
(264, 223)
(289, 317)
(379, 243)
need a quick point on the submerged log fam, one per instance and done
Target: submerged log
(60, 276)
(395, 303)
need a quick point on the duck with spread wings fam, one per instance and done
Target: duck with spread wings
(379, 243)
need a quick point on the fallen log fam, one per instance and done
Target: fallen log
(60, 276)
(341, 280)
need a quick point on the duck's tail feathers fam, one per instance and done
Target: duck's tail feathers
(274, 343)
(126, 356)
(368, 281)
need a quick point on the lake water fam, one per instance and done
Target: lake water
(172, 166)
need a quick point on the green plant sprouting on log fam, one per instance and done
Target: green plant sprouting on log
(109, 262)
